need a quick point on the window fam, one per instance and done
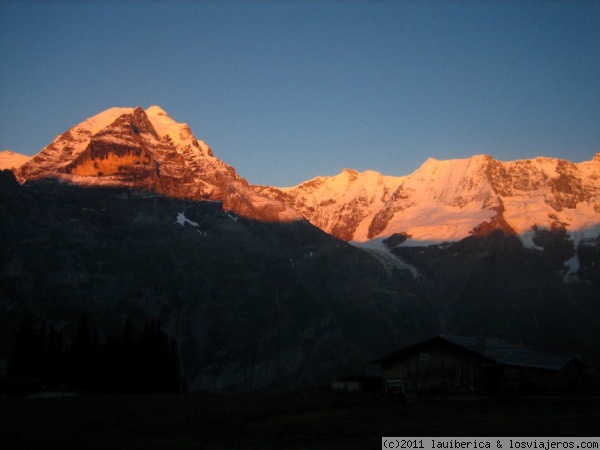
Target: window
(423, 357)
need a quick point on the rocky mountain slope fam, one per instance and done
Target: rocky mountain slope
(445, 201)
(148, 150)
(256, 304)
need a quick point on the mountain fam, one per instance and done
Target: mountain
(342, 205)
(442, 201)
(12, 160)
(445, 201)
(128, 216)
(147, 150)
(251, 304)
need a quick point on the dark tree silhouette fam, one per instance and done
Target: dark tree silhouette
(133, 361)
(54, 358)
(82, 357)
(28, 353)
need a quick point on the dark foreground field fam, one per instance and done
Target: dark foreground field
(299, 420)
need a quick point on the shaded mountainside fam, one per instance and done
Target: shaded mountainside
(250, 304)
(494, 286)
(128, 216)
(260, 305)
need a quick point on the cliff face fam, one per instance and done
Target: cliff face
(147, 150)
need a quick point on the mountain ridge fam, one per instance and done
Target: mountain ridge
(255, 295)
(445, 201)
(149, 151)
(442, 201)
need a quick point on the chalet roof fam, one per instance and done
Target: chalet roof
(493, 349)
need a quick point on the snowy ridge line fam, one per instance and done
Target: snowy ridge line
(446, 201)
(12, 160)
(442, 201)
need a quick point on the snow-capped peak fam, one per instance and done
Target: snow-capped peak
(447, 200)
(148, 150)
(12, 160)
(155, 110)
(341, 204)
(103, 119)
(443, 200)
(165, 126)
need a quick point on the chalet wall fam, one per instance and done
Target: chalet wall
(438, 366)
(527, 380)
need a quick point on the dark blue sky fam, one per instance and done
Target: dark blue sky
(285, 91)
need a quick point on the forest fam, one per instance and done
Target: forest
(137, 360)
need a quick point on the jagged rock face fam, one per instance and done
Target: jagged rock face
(130, 152)
(565, 184)
(548, 193)
(445, 201)
(147, 150)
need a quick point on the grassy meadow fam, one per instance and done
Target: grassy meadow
(278, 420)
